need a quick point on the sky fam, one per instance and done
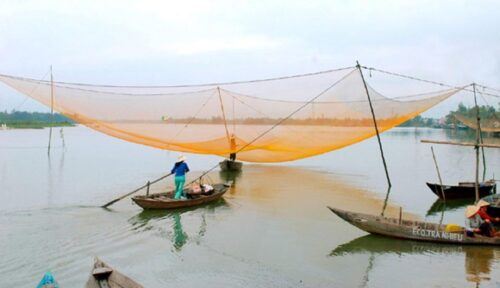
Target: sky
(184, 42)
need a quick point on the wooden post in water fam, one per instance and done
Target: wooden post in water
(478, 133)
(400, 214)
(51, 109)
(375, 124)
(439, 174)
(147, 188)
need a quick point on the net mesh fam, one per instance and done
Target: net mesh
(487, 125)
(316, 113)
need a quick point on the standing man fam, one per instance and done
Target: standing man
(180, 169)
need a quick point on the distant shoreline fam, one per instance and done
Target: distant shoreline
(33, 125)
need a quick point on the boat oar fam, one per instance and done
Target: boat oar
(136, 190)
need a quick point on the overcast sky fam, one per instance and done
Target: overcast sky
(173, 42)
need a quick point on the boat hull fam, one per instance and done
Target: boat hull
(228, 165)
(408, 229)
(165, 201)
(111, 278)
(463, 190)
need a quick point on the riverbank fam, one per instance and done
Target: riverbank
(34, 125)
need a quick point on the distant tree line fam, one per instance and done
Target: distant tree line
(23, 119)
(486, 112)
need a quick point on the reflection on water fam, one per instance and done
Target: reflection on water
(448, 206)
(478, 260)
(172, 219)
(179, 236)
(273, 220)
(227, 176)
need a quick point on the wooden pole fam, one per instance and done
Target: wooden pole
(484, 156)
(400, 214)
(438, 173)
(478, 132)
(134, 191)
(375, 124)
(386, 200)
(224, 116)
(51, 109)
(461, 143)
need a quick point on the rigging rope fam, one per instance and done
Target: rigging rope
(185, 85)
(424, 80)
(281, 121)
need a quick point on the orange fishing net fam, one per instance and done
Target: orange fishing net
(222, 118)
(487, 125)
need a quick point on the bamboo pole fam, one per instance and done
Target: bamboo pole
(224, 116)
(478, 133)
(134, 191)
(51, 109)
(386, 200)
(375, 124)
(438, 173)
(460, 143)
(484, 157)
(478, 128)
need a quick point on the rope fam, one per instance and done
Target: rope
(486, 87)
(185, 86)
(424, 80)
(281, 121)
(192, 118)
(31, 92)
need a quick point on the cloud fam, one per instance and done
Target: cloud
(207, 45)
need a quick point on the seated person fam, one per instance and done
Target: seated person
(195, 190)
(483, 212)
(471, 212)
(207, 189)
(486, 229)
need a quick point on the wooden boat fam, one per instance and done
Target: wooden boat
(103, 276)
(166, 201)
(463, 189)
(228, 165)
(413, 230)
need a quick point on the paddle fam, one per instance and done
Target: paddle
(136, 190)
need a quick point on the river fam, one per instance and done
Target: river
(271, 230)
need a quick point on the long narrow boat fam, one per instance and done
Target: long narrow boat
(103, 276)
(463, 189)
(408, 229)
(229, 165)
(166, 201)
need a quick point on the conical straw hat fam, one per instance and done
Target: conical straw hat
(471, 210)
(482, 203)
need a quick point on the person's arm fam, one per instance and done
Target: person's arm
(173, 170)
(187, 167)
(485, 215)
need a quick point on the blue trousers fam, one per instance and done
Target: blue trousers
(179, 186)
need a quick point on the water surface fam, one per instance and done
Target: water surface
(271, 230)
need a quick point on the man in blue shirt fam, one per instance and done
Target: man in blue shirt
(180, 169)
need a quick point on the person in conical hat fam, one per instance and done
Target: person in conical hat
(480, 226)
(471, 211)
(180, 169)
(483, 212)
